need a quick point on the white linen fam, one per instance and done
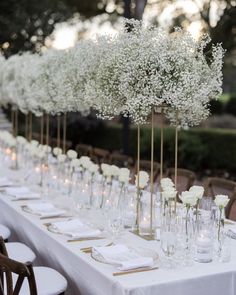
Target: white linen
(123, 257)
(44, 209)
(12, 191)
(4, 181)
(89, 277)
(75, 229)
(27, 196)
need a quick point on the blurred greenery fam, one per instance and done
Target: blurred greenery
(25, 24)
(198, 148)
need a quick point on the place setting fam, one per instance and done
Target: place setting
(75, 230)
(44, 210)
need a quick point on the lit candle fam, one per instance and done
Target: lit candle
(203, 248)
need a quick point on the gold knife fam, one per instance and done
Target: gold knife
(121, 273)
(85, 239)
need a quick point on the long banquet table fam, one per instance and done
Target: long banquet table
(89, 277)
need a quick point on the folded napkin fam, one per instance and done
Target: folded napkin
(232, 231)
(123, 257)
(75, 229)
(17, 190)
(4, 181)
(45, 209)
(26, 196)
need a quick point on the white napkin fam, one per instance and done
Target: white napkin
(17, 190)
(123, 257)
(45, 209)
(26, 196)
(4, 181)
(231, 231)
(76, 229)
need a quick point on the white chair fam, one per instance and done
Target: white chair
(4, 232)
(16, 251)
(20, 252)
(48, 282)
(23, 279)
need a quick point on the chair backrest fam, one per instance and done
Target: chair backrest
(145, 165)
(84, 149)
(230, 210)
(22, 271)
(121, 160)
(215, 186)
(185, 178)
(53, 143)
(100, 155)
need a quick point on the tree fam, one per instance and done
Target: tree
(25, 24)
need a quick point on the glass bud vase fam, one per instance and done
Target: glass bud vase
(145, 227)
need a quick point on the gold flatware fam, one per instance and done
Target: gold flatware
(121, 273)
(85, 239)
(24, 199)
(53, 217)
(227, 221)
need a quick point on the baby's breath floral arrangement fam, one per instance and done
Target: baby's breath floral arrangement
(147, 67)
(140, 69)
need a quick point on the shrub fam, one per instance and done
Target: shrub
(231, 105)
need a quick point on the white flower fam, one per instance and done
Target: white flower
(47, 149)
(75, 163)
(106, 169)
(166, 183)
(169, 194)
(197, 190)
(124, 175)
(93, 168)
(188, 198)
(71, 154)
(221, 201)
(21, 139)
(34, 142)
(114, 170)
(61, 158)
(57, 151)
(143, 179)
(85, 162)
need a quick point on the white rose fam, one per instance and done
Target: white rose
(124, 175)
(143, 179)
(188, 198)
(166, 183)
(75, 163)
(21, 139)
(34, 142)
(106, 170)
(115, 171)
(85, 161)
(57, 151)
(61, 158)
(221, 201)
(71, 154)
(11, 142)
(47, 149)
(93, 168)
(197, 190)
(169, 194)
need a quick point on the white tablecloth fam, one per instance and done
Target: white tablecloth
(89, 277)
